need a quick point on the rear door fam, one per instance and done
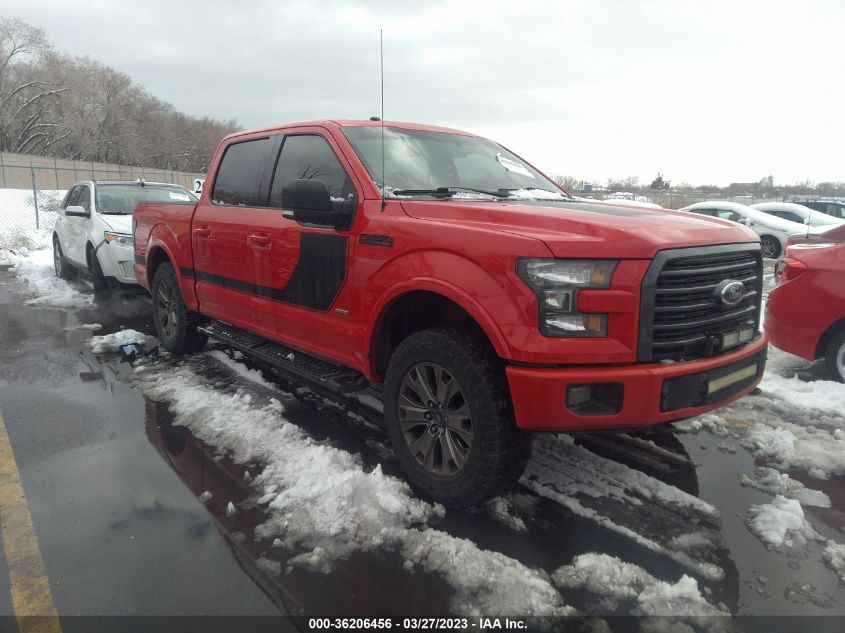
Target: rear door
(222, 233)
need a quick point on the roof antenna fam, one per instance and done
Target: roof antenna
(381, 60)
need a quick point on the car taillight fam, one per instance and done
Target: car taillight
(788, 268)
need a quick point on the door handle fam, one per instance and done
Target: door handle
(261, 240)
(202, 231)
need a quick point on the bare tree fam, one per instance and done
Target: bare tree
(569, 183)
(78, 108)
(25, 96)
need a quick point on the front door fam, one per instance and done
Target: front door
(77, 228)
(304, 267)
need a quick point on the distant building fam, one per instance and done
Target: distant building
(658, 183)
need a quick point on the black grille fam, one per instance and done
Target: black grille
(681, 315)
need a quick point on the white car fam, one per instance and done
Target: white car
(773, 231)
(93, 233)
(798, 213)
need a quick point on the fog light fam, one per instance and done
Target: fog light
(574, 325)
(595, 399)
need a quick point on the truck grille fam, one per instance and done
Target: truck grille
(682, 316)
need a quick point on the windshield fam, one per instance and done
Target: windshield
(442, 164)
(120, 199)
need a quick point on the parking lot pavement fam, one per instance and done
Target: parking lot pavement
(201, 486)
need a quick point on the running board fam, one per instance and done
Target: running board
(335, 378)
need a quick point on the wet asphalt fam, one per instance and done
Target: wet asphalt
(113, 488)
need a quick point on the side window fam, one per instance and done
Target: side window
(709, 212)
(84, 199)
(239, 174)
(309, 156)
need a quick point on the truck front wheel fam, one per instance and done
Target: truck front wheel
(449, 418)
(174, 326)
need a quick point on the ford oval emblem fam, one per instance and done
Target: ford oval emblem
(730, 292)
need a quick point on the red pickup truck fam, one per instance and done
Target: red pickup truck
(445, 273)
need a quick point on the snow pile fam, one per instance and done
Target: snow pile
(536, 194)
(785, 445)
(31, 254)
(834, 556)
(324, 505)
(822, 395)
(253, 375)
(112, 342)
(777, 483)
(501, 509)
(780, 524)
(623, 587)
(613, 496)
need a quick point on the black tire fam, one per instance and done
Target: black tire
(835, 356)
(98, 279)
(174, 324)
(496, 455)
(60, 264)
(770, 246)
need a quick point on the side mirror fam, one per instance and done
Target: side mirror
(308, 201)
(806, 220)
(75, 211)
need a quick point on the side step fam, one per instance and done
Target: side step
(335, 378)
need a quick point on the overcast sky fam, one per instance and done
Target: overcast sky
(705, 92)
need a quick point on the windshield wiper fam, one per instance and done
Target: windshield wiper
(447, 191)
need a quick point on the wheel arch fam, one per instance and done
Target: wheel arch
(828, 334)
(414, 309)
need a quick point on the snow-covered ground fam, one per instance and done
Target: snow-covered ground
(324, 503)
(17, 208)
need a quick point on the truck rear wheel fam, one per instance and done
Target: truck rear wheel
(835, 356)
(449, 418)
(174, 326)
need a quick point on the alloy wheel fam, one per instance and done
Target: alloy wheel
(166, 309)
(435, 419)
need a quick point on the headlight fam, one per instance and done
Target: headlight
(556, 283)
(118, 239)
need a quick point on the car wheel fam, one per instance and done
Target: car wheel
(173, 322)
(835, 356)
(449, 418)
(770, 247)
(62, 268)
(98, 279)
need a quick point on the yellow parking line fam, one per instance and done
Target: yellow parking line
(32, 600)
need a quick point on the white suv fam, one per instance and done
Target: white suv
(93, 233)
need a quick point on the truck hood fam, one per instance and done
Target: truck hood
(586, 229)
(117, 223)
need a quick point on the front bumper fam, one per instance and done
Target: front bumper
(652, 394)
(118, 262)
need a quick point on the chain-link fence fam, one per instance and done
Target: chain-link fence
(32, 187)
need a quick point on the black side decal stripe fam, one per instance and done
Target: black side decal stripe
(314, 283)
